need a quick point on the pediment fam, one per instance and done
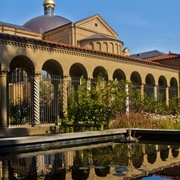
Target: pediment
(96, 25)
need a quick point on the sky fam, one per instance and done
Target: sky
(143, 25)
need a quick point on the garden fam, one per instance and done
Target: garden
(130, 108)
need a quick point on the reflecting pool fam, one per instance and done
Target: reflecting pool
(109, 160)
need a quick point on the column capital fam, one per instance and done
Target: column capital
(65, 76)
(4, 71)
(38, 73)
(89, 78)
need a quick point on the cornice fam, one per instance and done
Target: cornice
(42, 45)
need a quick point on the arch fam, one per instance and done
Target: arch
(174, 151)
(149, 86)
(150, 79)
(105, 47)
(116, 51)
(162, 85)
(100, 71)
(91, 45)
(24, 63)
(98, 46)
(20, 90)
(173, 89)
(173, 82)
(49, 90)
(162, 81)
(119, 75)
(136, 79)
(20, 85)
(77, 71)
(164, 152)
(52, 67)
(111, 47)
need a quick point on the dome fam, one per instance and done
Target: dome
(48, 21)
(45, 23)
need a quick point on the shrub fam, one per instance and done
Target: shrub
(114, 94)
(145, 121)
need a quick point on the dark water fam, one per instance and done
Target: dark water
(97, 161)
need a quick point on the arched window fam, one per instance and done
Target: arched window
(98, 46)
(91, 45)
(105, 47)
(111, 48)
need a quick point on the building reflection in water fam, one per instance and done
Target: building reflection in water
(150, 150)
(104, 161)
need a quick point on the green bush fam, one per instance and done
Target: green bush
(114, 95)
(105, 93)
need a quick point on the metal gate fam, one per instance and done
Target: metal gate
(21, 99)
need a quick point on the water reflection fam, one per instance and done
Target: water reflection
(164, 152)
(102, 161)
(150, 150)
(137, 156)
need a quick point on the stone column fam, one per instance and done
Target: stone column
(127, 98)
(89, 83)
(155, 92)
(36, 99)
(142, 90)
(4, 99)
(167, 95)
(65, 94)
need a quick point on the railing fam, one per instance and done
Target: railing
(21, 110)
(21, 100)
(50, 99)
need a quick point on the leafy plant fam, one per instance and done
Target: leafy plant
(114, 94)
(19, 111)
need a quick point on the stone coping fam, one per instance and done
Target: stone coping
(11, 141)
(49, 138)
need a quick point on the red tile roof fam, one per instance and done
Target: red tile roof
(151, 61)
(164, 57)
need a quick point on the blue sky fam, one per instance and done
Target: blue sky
(143, 25)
